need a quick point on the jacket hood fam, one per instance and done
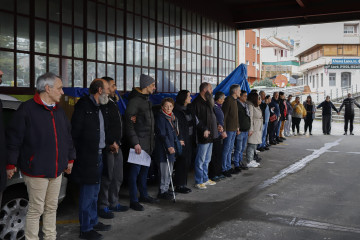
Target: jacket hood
(38, 100)
(136, 92)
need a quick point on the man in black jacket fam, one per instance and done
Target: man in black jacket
(112, 177)
(39, 143)
(140, 136)
(89, 125)
(349, 103)
(327, 107)
(207, 131)
(2, 149)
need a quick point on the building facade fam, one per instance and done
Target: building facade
(84, 39)
(249, 52)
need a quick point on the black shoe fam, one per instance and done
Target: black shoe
(268, 145)
(106, 213)
(279, 140)
(243, 167)
(258, 159)
(136, 206)
(182, 189)
(261, 149)
(282, 138)
(231, 171)
(148, 199)
(266, 148)
(310, 133)
(91, 235)
(101, 227)
(237, 170)
(166, 196)
(273, 143)
(345, 133)
(119, 208)
(226, 174)
(351, 133)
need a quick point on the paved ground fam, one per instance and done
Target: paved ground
(306, 188)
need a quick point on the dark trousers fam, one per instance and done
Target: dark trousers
(348, 118)
(137, 172)
(215, 165)
(272, 130)
(308, 124)
(182, 164)
(326, 124)
(111, 180)
(296, 124)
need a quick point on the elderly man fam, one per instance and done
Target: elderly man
(327, 107)
(89, 125)
(349, 115)
(207, 132)
(39, 143)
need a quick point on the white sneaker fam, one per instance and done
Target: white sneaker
(257, 151)
(210, 182)
(252, 164)
(200, 186)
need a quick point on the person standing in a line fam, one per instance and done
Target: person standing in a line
(327, 107)
(287, 131)
(299, 113)
(310, 108)
(349, 115)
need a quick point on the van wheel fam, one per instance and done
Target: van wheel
(12, 215)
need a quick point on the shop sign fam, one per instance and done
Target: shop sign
(339, 66)
(345, 61)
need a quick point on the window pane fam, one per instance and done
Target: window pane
(54, 34)
(111, 20)
(177, 79)
(152, 32)
(166, 82)
(120, 77)
(120, 50)
(101, 70)
(8, 68)
(137, 6)
(160, 33)
(119, 22)
(183, 82)
(54, 65)
(66, 72)
(129, 78)
(66, 41)
(145, 7)
(78, 43)
(152, 8)
(22, 39)
(137, 28)
(152, 55)
(7, 5)
(159, 84)
(160, 10)
(101, 17)
(7, 31)
(145, 29)
(129, 52)
(54, 10)
(145, 54)
(172, 59)
(78, 14)
(172, 37)
(67, 11)
(137, 53)
(40, 8)
(78, 73)
(91, 45)
(166, 58)
(145, 71)
(40, 36)
(91, 15)
(40, 65)
(160, 53)
(166, 35)
(129, 25)
(172, 81)
(110, 49)
(137, 77)
(101, 47)
(110, 70)
(177, 60)
(23, 70)
(91, 73)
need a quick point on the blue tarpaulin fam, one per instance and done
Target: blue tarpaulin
(238, 76)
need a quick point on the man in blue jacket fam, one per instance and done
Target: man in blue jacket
(39, 143)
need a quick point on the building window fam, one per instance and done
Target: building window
(247, 44)
(345, 79)
(253, 46)
(254, 64)
(281, 53)
(247, 63)
(332, 79)
(313, 81)
(257, 51)
(351, 28)
(322, 79)
(275, 52)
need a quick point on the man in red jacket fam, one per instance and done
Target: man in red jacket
(39, 143)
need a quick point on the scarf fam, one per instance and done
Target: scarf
(172, 120)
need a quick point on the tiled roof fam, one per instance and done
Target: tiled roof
(284, 42)
(267, 43)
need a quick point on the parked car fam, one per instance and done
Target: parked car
(15, 199)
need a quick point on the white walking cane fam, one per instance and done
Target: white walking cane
(172, 185)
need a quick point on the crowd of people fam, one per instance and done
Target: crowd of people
(210, 134)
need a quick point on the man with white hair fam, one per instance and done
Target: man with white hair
(89, 126)
(39, 143)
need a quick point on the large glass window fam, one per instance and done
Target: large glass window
(332, 79)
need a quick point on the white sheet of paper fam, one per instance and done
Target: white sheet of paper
(143, 158)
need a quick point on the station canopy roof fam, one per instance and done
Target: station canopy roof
(244, 14)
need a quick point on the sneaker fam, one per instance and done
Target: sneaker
(136, 206)
(148, 199)
(101, 227)
(253, 164)
(119, 208)
(91, 235)
(106, 213)
(257, 151)
(200, 186)
(210, 183)
(165, 196)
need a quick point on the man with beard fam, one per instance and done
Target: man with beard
(207, 131)
(112, 177)
(349, 115)
(89, 125)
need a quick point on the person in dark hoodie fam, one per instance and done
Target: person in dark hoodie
(349, 115)
(39, 143)
(327, 107)
(112, 177)
(273, 125)
(140, 136)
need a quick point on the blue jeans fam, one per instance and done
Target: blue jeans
(240, 145)
(264, 133)
(227, 150)
(88, 203)
(136, 171)
(203, 157)
(277, 132)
